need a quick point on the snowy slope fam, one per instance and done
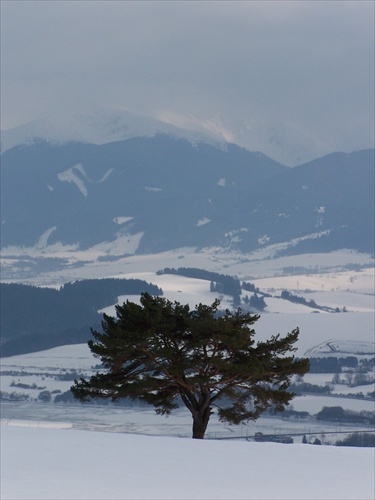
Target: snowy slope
(64, 464)
(60, 461)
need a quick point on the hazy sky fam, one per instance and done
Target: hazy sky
(293, 79)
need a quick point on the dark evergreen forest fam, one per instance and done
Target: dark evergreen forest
(35, 318)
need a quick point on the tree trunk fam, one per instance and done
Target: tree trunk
(200, 422)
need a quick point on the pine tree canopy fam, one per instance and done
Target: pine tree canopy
(165, 354)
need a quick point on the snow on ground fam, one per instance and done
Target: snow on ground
(351, 301)
(313, 404)
(176, 288)
(353, 290)
(143, 420)
(86, 264)
(57, 463)
(318, 328)
(41, 366)
(345, 389)
(77, 356)
(360, 298)
(277, 305)
(361, 281)
(50, 459)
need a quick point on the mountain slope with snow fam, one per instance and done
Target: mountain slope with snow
(160, 193)
(99, 127)
(159, 188)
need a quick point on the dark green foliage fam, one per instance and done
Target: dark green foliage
(72, 375)
(309, 303)
(297, 299)
(349, 362)
(65, 397)
(34, 342)
(361, 439)
(305, 388)
(335, 364)
(45, 396)
(325, 365)
(163, 353)
(249, 287)
(294, 414)
(99, 293)
(258, 302)
(331, 413)
(338, 414)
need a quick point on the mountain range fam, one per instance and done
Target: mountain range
(162, 189)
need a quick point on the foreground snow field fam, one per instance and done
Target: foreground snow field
(140, 455)
(62, 463)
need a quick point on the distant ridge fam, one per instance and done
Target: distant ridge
(100, 127)
(148, 187)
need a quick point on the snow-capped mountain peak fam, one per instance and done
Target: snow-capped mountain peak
(99, 127)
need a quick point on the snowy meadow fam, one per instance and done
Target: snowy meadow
(57, 450)
(62, 463)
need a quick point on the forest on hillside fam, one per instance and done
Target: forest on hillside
(35, 318)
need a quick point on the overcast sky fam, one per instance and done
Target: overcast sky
(293, 79)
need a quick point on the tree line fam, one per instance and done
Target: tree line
(219, 283)
(36, 318)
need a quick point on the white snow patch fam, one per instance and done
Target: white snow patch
(126, 244)
(153, 189)
(106, 175)
(202, 222)
(341, 347)
(262, 240)
(318, 328)
(43, 240)
(313, 404)
(122, 220)
(70, 176)
(236, 231)
(74, 356)
(329, 288)
(320, 210)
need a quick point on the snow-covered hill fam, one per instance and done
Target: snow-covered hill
(64, 464)
(59, 459)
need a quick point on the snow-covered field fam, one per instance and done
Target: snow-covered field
(62, 463)
(107, 260)
(47, 451)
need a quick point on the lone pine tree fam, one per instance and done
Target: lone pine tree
(163, 353)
